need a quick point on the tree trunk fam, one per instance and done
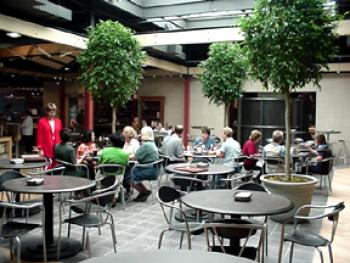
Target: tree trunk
(226, 114)
(288, 122)
(114, 118)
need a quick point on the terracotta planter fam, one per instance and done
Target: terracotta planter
(299, 193)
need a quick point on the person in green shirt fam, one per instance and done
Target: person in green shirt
(115, 154)
(147, 153)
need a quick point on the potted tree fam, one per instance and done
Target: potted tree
(287, 44)
(111, 65)
(223, 74)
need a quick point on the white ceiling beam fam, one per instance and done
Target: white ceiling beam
(132, 7)
(11, 24)
(194, 7)
(191, 37)
(152, 3)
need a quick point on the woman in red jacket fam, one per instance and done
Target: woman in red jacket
(48, 133)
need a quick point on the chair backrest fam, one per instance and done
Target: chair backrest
(9, 175)
(331, 212)
(167, 197)
(111, 174)
(233, 229)
(252, 187)
(156, 164)
(74, 167)
(188, 183)
(58, 170)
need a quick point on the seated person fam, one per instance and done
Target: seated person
(87, 148)
(131, 145)
(321, 152)
(275, 150)
(173, 148)
(66, 153)
(115, 153)
(250, 150)
(230, 149)
(205, 140)
(147, 153)
(87, 144)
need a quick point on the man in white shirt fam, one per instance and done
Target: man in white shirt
(27, 131)
(230, 149)
(275, 150)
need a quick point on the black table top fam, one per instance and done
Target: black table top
(213, 169)
(6, 164)
(52, 184)
(169, 257)
(222, 202)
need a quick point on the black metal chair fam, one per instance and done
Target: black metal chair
(273, 164)
(110, 176)
(306, 238)
(157, 164)
(90, 218)
(189, 183)
(80, 170)
(59, 170)
(260, 188)
(235, 230)
(169, 200)
(328, 163)
(11, 229)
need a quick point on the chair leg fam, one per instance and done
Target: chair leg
(83, 237)
(59, 240)
(160, 240)
(114, 238)
(189, 241)
(266, 241)
(18, 247)
(291, 252)
(321, 254)
(122, 195)
(181, 239)
(88, 242)
(330, 253)
(329, 183)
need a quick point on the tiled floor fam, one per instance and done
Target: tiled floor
(138, 228)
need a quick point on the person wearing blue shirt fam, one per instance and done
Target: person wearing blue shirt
(205, 139)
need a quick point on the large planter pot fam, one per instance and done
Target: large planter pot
(300, 193)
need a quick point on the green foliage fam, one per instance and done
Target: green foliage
(112, 63)
(288, 42)
(224, 73)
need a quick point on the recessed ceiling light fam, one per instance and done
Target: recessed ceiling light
(13, 34)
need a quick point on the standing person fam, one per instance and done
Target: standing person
(27, 131)
(230, 149)
(173, 148)
(147, 153)
(250, 150)
(48, 133)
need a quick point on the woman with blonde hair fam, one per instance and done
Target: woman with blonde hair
(131, 144)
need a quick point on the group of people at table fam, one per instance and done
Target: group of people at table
(53, 142)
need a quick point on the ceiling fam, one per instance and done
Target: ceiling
(39, 59)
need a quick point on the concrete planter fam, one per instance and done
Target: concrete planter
(299, 193)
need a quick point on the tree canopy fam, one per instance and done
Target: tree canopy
(112, 63)
(287, 42)
(224, 73)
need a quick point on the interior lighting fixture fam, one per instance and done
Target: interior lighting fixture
(13, 34)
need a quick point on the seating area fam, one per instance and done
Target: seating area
(138, 228)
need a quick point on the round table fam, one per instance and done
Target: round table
(6, 164)
(213, 169)
(32, 249)
(222, 202)
(169, 257)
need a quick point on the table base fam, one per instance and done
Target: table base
(32, 250)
